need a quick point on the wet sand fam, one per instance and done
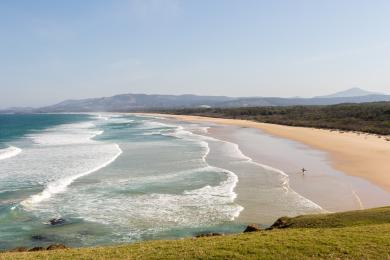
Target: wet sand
(328, 182)
(356, 154)
(331, 189)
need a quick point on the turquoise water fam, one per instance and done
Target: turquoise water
(15, 126)
(118, 178)
(113, 178)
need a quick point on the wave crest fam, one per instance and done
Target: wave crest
(60, 185)
(9, 152)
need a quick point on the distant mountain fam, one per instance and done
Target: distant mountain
(275, 101)
(352, 92)
(127, 102)
(138, 102)
(17, 110)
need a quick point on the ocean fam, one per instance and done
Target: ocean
(118, 178)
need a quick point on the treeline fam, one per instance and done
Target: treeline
(367, 117)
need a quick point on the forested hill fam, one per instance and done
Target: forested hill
(367, 117)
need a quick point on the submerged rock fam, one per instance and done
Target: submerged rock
(38, 237)
(56, 246)
(57, 221)
(252, 228)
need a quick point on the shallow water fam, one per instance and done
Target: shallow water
(123, 178)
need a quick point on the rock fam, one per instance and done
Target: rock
(56, 246)
(38, 237)
(38, 248)
(56, 221)
(18, 249)
(208, 235)
(252, 228)
(281, 223)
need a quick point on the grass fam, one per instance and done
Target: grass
(351, 235)
(341, 219)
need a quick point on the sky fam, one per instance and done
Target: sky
(56, 50)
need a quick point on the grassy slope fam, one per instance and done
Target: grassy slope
(354, 235)
(341, 219)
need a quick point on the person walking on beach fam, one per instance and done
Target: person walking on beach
(303, 171)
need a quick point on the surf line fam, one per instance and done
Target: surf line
(285, 183)
(9, 152)
(61, 185)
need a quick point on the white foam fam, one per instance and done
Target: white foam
(101, 117)
(61, 185)
(136, 214)
(225, 188)
(235, 152)
(121, 121)
(155, 124)
(150, 116)
(284, 180)
(358, 200)
(9, 152)
(67, 134)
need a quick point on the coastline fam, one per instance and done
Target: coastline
(274, 151)
(355, 154)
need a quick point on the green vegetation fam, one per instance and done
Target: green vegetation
(337, 220)
(367, 117)
(351, 235)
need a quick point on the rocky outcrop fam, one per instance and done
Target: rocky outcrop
(282, 222)
(56, 246)
(57, 221)
(37, 248)
(19, 249)
(252, 228)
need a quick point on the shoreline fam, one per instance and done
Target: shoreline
(257, 144)
(355, 154)
(354, 230)
(333, 190)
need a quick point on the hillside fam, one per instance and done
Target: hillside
(128, 102)
(352, 92)
(363, 234)
(136, 102)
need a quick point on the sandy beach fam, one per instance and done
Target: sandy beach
(346, 171)
(362, 155)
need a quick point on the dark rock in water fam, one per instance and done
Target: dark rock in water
(38, 248)
(281, 223)
(252, 228)
(38, 237)
(18, 249)
(208, 235)
(56, 221)
(56, 246)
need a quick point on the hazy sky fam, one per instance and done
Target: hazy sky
(55, 50)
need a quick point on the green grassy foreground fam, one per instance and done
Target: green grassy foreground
(350, 235)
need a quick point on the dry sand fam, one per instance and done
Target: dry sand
(362, 155)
